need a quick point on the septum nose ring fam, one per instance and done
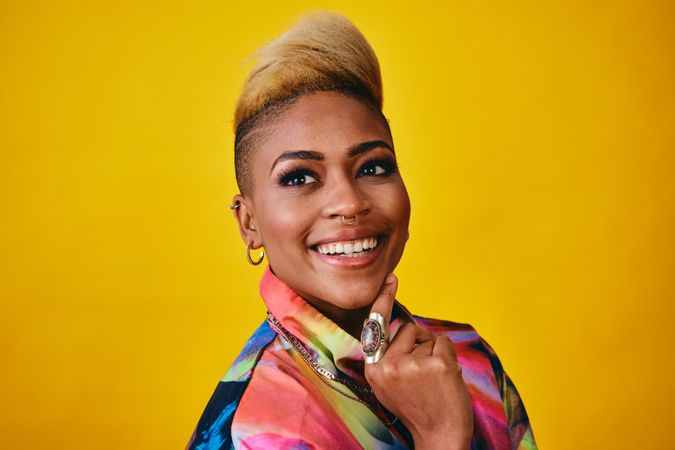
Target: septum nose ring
(351, 220)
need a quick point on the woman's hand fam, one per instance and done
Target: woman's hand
(420, 381)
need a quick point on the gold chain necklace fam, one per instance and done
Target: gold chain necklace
(324, 374)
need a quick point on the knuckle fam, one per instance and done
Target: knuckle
(413, 366)
(402, 366)
(387, 369)
(407, 327)
(438, 364)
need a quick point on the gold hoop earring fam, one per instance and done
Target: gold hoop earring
(248, 255)
(351, 220)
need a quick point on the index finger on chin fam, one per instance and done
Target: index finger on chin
(384, 301)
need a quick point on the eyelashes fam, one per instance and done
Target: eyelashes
(375, 167)
(297, 176)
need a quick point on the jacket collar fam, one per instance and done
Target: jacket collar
(331, 346)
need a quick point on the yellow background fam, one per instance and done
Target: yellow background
(536, 139)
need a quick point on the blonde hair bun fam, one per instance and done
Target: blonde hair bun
(323, 51)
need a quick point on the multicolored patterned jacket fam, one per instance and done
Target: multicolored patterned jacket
(270, 398)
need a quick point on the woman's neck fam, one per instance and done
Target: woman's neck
(350, 320)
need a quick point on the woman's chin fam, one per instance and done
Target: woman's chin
(353, 298)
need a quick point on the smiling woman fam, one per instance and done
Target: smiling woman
(326, 159)
(321, 191)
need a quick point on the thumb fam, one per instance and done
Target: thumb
(385, 299)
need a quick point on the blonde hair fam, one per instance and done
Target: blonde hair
(322, 52)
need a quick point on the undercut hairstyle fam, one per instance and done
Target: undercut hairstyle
(322, 52)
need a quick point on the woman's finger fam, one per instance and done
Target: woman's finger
(375, 332)
(444, 348)
(424, 349)
(407, 336)
(385, 299)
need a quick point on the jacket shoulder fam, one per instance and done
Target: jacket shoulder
(456, 331)
(213, 431)
(466, 339)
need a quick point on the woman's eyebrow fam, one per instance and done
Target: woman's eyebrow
(318, 156)
(367, 146)
(298, 154)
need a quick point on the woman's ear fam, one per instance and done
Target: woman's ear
(244, 213)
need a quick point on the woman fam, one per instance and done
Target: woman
(320, 190)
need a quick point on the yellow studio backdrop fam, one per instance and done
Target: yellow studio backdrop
(536, 140)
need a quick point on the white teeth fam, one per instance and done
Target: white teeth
(348, 248)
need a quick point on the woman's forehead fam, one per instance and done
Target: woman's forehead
(325, 122)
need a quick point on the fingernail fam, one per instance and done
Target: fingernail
(390, 278)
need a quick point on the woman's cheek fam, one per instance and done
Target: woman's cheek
(287, 222)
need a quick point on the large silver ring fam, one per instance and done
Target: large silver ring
(374, 338)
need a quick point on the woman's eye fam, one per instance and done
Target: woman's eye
(298, 178)
(377, 168)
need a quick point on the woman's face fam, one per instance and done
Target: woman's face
(328, 157)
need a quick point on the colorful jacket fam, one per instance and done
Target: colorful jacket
(270, 398)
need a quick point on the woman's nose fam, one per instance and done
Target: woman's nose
(344, 198)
